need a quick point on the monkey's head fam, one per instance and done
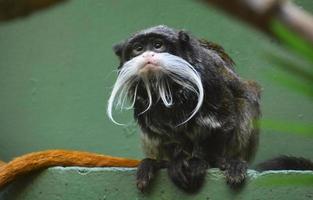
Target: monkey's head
(158, 65)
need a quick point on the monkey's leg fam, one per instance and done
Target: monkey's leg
(146, 170)
(188, 173)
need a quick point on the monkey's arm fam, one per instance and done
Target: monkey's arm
(44, 159)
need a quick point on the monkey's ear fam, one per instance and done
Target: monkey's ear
(118, 48)
(183, 37)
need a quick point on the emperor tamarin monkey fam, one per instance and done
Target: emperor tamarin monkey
(193, 110)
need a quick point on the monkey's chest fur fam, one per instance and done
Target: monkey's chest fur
(225, 130)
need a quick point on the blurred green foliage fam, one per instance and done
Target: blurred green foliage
(291, 75)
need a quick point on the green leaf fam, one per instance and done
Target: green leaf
(289, 81)
(291, 39)
(290, 72)
(290, 66)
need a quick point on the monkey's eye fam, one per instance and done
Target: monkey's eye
(158, 45)
(137, 49)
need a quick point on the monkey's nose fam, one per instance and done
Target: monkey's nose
(148, 54)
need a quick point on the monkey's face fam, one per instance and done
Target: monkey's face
(152, 67)
(146, 54)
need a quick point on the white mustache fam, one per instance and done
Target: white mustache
(174, 67)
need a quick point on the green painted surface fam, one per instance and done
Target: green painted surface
(57, 69)
(116, 183)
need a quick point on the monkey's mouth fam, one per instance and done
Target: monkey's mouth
(149, 69)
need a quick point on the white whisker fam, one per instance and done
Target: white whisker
(165, 94)
(173, 67)
(127, 76)
(134, 98)
(181, 69)
(146, 82)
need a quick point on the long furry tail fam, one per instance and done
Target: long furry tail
(44, 159)
(286, 163)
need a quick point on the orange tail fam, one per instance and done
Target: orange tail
(2, 163)
(44, 159)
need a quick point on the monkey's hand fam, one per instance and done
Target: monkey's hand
(188, 174)
(235, 172)
(146, 171)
